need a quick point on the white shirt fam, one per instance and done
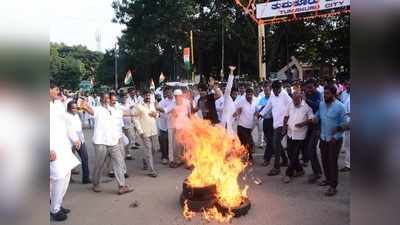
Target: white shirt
(74, 124)
(239, 98)
(320, 89)
(279, 105)
(118, 115)
(127, 120)
(219, 106)
(246, 117)
(106, 131)
(298, 115)
(60, 143)
(135, 100)
(163, 119)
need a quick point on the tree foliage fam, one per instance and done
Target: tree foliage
(157, 31)
(71, 64)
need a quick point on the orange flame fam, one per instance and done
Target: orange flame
(186, 212)
(217, 157)
(214, 214)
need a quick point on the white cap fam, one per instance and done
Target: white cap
(178, 92)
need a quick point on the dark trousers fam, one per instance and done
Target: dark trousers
(329, 156)
(268, 134)
(293, 151)
(84, 161)
(311, 143)
(277, 146)
(246, 139)
(163, 140)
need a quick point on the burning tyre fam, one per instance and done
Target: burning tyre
(238, 211)
(198, 198)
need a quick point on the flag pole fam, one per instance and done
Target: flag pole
(191, 46)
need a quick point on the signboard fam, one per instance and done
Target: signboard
(289, 7)
(186, 55)
(85, 85)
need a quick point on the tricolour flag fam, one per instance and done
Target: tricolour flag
(128, 77)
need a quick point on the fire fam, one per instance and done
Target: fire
(214, 214)
(218, 159)
(186, 212)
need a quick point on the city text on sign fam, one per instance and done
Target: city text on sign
(285, 7)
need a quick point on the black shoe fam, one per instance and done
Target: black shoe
(345, 169)
(64, 210)
(137, 144)
(126, 175)
(129, 157)
(59, 216)
(134, 147)
(88, 181)
(111, 174)
(313, 178)
(323, 183)
(274, 172)
(331, 192)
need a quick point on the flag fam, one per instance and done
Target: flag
(186, 55)
(128, 77)
(152, 85)
(162, 77)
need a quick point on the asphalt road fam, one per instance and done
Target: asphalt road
(273, 202)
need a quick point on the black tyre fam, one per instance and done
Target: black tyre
(196, 205)
(199, 193)
(239, 211)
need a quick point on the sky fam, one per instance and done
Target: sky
(76, 22)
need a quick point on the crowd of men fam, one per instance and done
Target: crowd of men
(290, 119)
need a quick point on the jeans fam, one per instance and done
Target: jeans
(246, 139)
(311, 144)
(277, 146)
(329, 156)
(85, 161)
(268, 134)
(293, 153)
(163, 140)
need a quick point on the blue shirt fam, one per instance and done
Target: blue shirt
(331, 117)
(314, 100)
(261, 104)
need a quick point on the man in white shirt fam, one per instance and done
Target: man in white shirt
(74, 124)
(219, 102)
(346, 136)
(133, 99)
(118, 116)
(167, 102)
(62, 160)
(106, 139)
(245, 114)
(128, 127)
(146, 124)
(298, 115)
(279, 103)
